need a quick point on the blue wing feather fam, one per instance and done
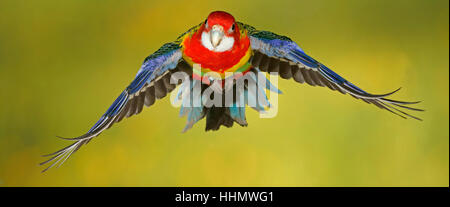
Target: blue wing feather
(165, 58)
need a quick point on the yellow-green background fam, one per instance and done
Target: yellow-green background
(62, 63)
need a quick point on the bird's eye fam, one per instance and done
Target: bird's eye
(231, 29)
(206, 22)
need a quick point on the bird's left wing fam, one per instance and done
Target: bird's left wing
(276, 53)
(151, 82)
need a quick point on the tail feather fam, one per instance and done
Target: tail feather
(218, 116)
(225, 116)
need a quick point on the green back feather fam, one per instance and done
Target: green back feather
(261, 34)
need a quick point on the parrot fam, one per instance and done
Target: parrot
(221, 45)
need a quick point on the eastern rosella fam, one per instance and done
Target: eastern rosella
(222, 45)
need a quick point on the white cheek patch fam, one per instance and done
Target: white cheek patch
(206, 41)
(225, 45)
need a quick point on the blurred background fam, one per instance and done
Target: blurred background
(62, 63)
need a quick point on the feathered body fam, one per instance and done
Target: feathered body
(222, 45)
(233, 58)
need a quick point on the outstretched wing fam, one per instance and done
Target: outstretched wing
(151, 82)
(275, 53)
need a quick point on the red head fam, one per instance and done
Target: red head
(219, 32)
(223, 19)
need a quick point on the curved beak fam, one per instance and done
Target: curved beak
(216, 35)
